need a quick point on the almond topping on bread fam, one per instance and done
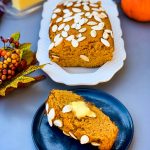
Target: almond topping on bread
(93, 33)
(85, 58)
(54, 28)
(84, 139)
(51, 114)
(58, 123)
(105, 42)
(66, 109)
(66, 133)
(95, 144)
(72, 135)
(47, 107)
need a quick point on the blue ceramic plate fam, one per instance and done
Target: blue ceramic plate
(46, 138)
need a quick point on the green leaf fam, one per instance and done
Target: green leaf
(29, 57)
(16, 36)
(26, 53)
(24, 50)
(20, 78)
(25, 46)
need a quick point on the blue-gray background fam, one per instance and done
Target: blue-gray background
(131, 85)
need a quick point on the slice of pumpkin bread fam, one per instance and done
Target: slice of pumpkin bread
(80, 120)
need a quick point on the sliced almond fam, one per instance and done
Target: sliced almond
(77, 19)
(61, 26)
(87, 14)
(91, 23)
(78, 27)
(69, 4)
(65, 133)
(85, 58)
(51, 46)
(105, 42)
(93, 33)
(100, 26)
(109, 31)
(64, 34)
(55, 57)
(75, 43)
(97, 18)
(84, 2)
(79, 35)
(79, 14)
(66, 11)
(77, 5)
(73, 26)
(72, 135)
(76, 10)
(90, 16)
(57, 10)
(95, 144)
(51, 114)
(67, 28)
(67, 19)
(66, 109)
(103, 15)
(54, 16)
(81, 38)
(70, 38)
(50, 123)
(68, 15)
(54, 28)
(93, 5)
(56, 38)
(86, 8)
(59, 19)
(58, 123)
(86, 20)
(58, 41)
(94, 13)
(105, 35)
(47, 107)
(84, 139)
(82, 21)
(96, 28)
(96, 9)
(82, 30)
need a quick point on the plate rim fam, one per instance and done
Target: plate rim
(55, 70)
(91, 90)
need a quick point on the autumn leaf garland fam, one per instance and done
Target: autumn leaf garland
(25, 64)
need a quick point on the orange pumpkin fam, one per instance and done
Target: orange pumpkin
(137, 9)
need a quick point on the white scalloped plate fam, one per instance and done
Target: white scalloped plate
(75, 75)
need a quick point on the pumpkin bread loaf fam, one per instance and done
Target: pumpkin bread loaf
(80, 120)
(80, 34)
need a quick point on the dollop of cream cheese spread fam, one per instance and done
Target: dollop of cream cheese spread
(81, 109)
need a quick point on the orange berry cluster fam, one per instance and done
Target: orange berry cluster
(9, 61)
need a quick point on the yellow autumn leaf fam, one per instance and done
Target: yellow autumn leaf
(20, 79)
(14, 84)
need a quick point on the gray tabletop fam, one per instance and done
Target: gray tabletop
(131, 85)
